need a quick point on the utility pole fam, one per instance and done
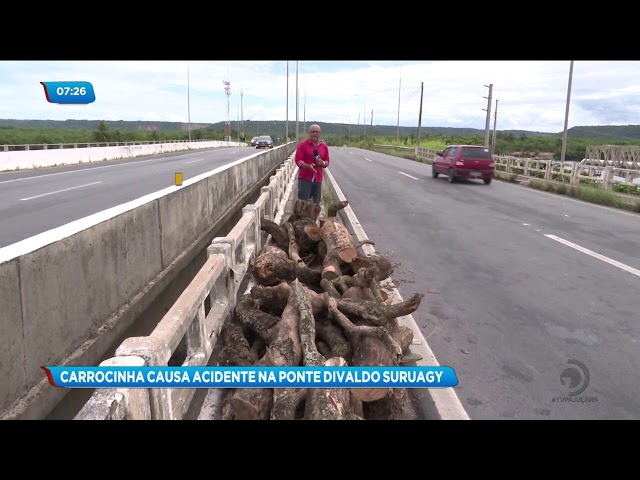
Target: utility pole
(241, 117)
(286, 128)
(188, 102)
(495, 119)
(566, 114)
(399, 88)
(488, 121)
(419, 117)
(364, 121)
(297, 106)
(371, 122)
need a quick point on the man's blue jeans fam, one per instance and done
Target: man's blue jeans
(307, 190)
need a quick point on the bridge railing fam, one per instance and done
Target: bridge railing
(51, 146)
(196, 318)
(604, 175)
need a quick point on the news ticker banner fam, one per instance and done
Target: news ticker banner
(251, 377)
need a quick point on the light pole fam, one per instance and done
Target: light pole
(399, 87)
(241, 115)
(286, 128)
(297, 106)
(364, 118)
(566, 114)
(188, 103)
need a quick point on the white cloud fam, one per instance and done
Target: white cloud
(531, 95)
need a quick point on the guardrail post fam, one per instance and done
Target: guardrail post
(256, 234)
(527, 166)
(607, 177)
(575, 173)
(270, 204)
(154, 355)
(221, 246)
(548, 173)
(118, 403)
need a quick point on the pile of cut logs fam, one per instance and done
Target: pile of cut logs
(316, 301)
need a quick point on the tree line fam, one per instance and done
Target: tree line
(506, 143)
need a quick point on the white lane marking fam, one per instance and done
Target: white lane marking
(608, 260)
(407, 175)
(60, 191)
(84, 169)
(194, 161)
(367, 159)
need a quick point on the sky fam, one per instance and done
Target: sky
(527, 95)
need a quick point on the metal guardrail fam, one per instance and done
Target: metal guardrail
(55, 146)
(196, 317)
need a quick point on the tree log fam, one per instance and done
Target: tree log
(338, 239)
(331, 267)
(308, 246)
(372, 346)
(390, 407)
(379, 313)
(401, 334)
(287, 402)
(248, 315)
(283, 340)
(294, 248)
(236, 350)
(278, 233)
(333, 209)
(250, 403)
(380, 264)
(330, 403)
(273, 265)
(332, 335)
(283, 350)
(305, 209)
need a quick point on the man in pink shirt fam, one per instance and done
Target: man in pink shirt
(312, 156)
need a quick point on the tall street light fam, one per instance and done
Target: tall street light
(297, 106)
(399, 87)
(364, 118)
(566, 114)
(188, 102)
(242, 114)
(286, 128)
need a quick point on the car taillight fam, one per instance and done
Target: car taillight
(492, 164)
(459, 163)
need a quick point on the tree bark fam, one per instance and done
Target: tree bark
(273, 265)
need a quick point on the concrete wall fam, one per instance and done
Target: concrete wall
(27, 159)
(62, 303)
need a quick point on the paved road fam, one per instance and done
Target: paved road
(526, 293)
(34, 201)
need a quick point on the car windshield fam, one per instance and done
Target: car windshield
(479, 152)
(264, 139)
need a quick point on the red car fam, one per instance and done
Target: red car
(464, 161)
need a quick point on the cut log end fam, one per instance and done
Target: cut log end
(348, 254)
(369, 394)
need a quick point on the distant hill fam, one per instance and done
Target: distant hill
(609, 133)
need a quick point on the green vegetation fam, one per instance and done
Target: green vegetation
(509, 142)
